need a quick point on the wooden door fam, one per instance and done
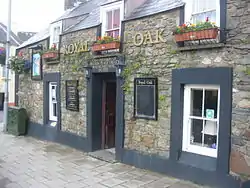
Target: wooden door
(110, 109)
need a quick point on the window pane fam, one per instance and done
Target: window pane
(211, 104)
(196, 102)
(196, 131)
(203, 9)
(206, 137)
(116, 23)
(109, 20)
(210, 134)
(54, 109)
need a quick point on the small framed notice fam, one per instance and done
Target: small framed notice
(72, 95)
(145, 98)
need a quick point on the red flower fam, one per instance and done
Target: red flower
(20, 54)
(53, 46)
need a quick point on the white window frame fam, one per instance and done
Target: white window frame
(103, 14)
(51, 116)
(188, 11)
(186, 146)
(52, 33)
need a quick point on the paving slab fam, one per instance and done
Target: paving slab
(26, 162)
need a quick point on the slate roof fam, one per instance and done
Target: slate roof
(23, 36)
(90, 12)
(93, 18)
(148, 8)
(154, 6)
(42, 35)
(14, 40)
(73, 12)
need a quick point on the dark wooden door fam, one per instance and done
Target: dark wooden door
(110, 109)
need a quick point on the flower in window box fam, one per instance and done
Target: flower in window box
(50, 54)
(106, 43)
(2, 56)
(199, 31)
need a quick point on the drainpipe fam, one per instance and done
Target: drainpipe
(6, 89)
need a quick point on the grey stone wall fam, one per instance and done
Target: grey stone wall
(155, 60)
(158, 60)
(74, 122)
(30, 93)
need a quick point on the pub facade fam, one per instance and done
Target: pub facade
(122, 80)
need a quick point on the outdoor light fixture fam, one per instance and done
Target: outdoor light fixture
(88, 71)
(119, 65)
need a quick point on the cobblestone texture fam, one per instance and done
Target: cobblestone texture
(29, 163)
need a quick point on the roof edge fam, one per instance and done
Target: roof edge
(32, 43)
(140, 17)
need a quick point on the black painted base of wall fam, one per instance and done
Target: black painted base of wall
(150, 162)
(180, 170)
(52, 134)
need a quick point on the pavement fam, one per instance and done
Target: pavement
(26, 162)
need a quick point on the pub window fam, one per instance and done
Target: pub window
(198, 11)
(201, 119)
(145, 102)
(111, 16)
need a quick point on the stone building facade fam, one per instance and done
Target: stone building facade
(149, 50)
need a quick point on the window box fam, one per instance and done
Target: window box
(50, 56)
(197, 35)
(107, 46)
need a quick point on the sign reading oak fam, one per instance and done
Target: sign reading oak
(76, 48)
(147, 37)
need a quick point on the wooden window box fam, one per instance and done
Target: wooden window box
(107, 46)
(197, 35)
(50, 56)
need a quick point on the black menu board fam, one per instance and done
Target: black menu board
(145, 98)
(72, 96)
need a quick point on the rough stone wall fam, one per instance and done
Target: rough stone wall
(155, 60)
(149, 136)
(74, 122)
(30, 92)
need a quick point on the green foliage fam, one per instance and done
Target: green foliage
(17, 64)
(247, 71)
(162, 98)
(107, 39)
(194, 27)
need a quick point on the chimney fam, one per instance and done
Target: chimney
(131, 5)
(68, 4)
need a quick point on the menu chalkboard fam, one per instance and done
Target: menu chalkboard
(145, 98)
(72, 96)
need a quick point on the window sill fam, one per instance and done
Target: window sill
(200, 47)
(198, 161)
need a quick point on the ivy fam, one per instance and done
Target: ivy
(17, 64)
(247, 71)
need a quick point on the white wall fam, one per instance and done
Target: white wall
(11, 77)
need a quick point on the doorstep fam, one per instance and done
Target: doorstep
(107, 155)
